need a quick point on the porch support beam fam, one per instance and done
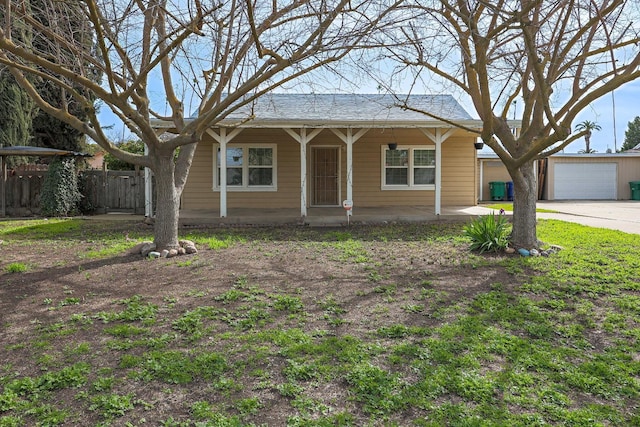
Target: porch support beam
(303, 139)
(349, 139)
(438, 138)
(222, 138)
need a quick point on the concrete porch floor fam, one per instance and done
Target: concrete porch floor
(333, 216)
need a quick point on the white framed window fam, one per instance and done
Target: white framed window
(409, 168)
(249, 167)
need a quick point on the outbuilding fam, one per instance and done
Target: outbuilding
(568, 176)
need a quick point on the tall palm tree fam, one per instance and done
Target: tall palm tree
(588, 127)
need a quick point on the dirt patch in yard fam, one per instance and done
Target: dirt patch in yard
(122, 313)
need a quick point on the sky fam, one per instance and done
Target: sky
(611, 136)
(627, 107)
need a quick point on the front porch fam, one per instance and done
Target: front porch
(334, 216)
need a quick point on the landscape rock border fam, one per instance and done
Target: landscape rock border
(148, 249)
(534, 252)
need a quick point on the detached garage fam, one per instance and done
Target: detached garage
(591, 176)
(571, 176)
(585, 181)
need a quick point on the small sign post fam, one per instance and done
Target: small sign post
(348, 206)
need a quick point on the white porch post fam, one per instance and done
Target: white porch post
(481, 179)
(349, 139)
(303, 172)
(223, 172)
(148, 189)
(438, 194)
(223, 138)
(349, 166)
(303, 139)
(438, 138)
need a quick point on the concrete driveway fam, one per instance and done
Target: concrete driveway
(621, 215)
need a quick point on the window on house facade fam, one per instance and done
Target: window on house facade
(249, 168)
(409, 168)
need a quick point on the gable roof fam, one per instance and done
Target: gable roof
(330, 108)
(345, 110)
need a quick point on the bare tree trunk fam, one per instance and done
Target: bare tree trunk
(524, 207)
(168, 204)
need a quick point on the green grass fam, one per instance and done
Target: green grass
(509, 207)
(16, 267)
(458, 340)
(39, 228)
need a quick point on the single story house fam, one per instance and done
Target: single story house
(569, 176)
(315, 151)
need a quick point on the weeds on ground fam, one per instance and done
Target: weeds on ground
(16, 267)
(553, 345)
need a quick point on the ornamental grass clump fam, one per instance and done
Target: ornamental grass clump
(488, 233)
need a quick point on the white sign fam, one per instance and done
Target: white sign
(347, 204)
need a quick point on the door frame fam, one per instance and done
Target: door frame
(312, 174)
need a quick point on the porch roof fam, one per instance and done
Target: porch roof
(286, 110)
(340, 109)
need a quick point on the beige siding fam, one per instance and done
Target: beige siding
(459, 172)
(492, 170)
(198, 192)
(459, 168)
(628, 170)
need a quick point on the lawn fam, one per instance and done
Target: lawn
(394, 325)
(508, 207)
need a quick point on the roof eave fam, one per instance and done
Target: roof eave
(328, 124)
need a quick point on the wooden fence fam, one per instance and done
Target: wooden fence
(103, 191)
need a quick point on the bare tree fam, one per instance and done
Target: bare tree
(225, 54)
(551, 57)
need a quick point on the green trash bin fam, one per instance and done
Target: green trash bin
(635, 190)
(497, 190)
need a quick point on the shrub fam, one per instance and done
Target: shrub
(115, 164)
(488, 233)
(60, 194)
(85, 205)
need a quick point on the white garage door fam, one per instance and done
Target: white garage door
(587, 181)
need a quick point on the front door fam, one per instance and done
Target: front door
(325, 173)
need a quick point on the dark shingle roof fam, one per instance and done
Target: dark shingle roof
(337, 108)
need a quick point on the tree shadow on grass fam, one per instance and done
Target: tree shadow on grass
(15, 287)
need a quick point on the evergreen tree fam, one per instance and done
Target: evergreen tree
(16, 107)
(16, 112)
(116, 164)
(631, 135)
(47, 130)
